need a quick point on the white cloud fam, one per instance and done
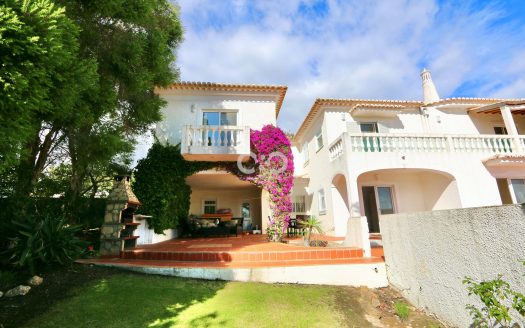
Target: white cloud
(356, 49)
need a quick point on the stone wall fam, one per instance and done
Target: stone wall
(428, 254)
(120, 198)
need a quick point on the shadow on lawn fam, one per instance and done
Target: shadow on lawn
(152, 301)
(127, 299)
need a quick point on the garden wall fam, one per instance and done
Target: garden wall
(428, 254)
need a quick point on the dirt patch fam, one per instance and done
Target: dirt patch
(363, 307)
(57, 285)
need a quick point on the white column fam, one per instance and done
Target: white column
(511, 127)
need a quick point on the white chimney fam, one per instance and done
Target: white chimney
(430, 93)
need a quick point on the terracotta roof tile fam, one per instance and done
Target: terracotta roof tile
(186, 85)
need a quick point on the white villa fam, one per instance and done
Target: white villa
(354, 158)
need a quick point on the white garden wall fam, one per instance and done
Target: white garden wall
(429, 253)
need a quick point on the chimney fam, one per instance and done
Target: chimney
(430, 93)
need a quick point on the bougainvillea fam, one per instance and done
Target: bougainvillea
(273, 171)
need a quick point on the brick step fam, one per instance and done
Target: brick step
(239, 256)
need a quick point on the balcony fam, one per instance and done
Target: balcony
(388, 142)
(215, 143)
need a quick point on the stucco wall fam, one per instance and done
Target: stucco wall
(253, 111)
(429, 253)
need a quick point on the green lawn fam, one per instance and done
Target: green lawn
(129, 300)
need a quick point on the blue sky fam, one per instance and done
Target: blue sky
(356, 49)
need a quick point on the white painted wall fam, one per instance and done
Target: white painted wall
(470, 184)
(429, 253)
(148, 235)
(415, 190)
(254, 111)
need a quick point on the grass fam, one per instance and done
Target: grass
(401, 309)
(128, 300)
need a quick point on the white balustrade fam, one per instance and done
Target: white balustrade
(383, 142)
(335, 149)
(209, 139)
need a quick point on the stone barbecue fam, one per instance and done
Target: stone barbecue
(117, 231)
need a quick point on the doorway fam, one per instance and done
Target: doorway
(377, 200)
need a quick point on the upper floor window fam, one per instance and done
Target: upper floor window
(319, 139)
(500, 130)
(322, 201)
(369, 127)
(219, 118)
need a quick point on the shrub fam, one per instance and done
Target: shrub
(8, 279)
(401, 309)
(310, 225)
(43, 242)
(498, 299)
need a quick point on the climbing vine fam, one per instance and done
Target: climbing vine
(160, 185)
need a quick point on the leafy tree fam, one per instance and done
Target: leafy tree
(79, 79)
(132, 43)
(41, 78)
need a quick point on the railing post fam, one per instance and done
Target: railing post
(450, 144)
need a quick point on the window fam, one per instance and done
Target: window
(501, 130)
(298, 204)
(370, 127)
(322, 201)
(370, 144)
(518, 186)
(304, 150)
(319, 139)
(209, 206)
(219, 118)
(245, 210)
(386, 204)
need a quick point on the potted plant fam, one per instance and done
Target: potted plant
(309, 225)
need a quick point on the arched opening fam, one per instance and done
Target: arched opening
(390, 191)
(340, 204)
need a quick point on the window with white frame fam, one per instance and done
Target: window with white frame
(222, 117)
(322, 201)
(319, 139)
(209, 206)
(298, 204)
(306, 155)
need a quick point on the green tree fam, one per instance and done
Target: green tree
(41, 77)
(133, 43)
(80, 77)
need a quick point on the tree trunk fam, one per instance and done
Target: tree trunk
(79, 171)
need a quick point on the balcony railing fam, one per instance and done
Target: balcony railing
(210, 140)
(383, 142)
